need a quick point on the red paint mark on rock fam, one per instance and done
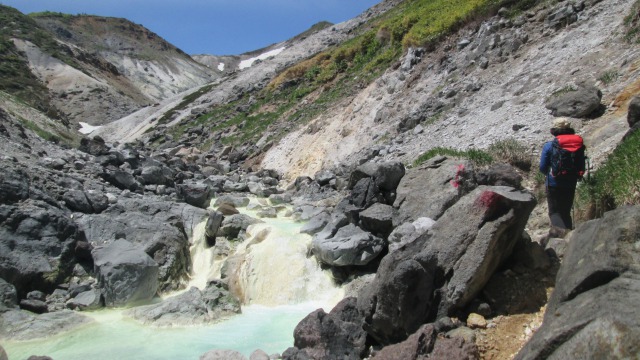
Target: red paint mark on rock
(456, 180)
(488, 200)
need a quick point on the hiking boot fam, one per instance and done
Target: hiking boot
(557, 232)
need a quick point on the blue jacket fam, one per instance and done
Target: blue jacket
(545, 165)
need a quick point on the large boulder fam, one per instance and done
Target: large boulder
(386, 175)
(593, 311)
(157, 175)
(195, 194)
(440, 272)
(125, 273)
(576, 102)
(37, 245)
(162, 229)
(193, 307)
(336, 335)
(430, 189)
(122, 180)
(350, 246)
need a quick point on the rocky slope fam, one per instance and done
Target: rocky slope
(98, 69)
(446, 239)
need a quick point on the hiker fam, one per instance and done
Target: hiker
(563, 164)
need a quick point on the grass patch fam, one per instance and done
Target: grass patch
(186, 101)
(511, 152)
(44, 134)
(609, 76)
(478, 157)
(616, 183)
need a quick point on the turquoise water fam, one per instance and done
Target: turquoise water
(116, 337)
(281, 284)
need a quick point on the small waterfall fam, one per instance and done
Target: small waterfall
(204, 265)
(273, 266)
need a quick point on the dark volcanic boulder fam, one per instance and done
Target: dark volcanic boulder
(195, 194)
(593, 311)
(336, 335)
(125, 273)
(14, 184)
(193, 307)
(162, 229)
(578, 102)
(122, 180)
(350, 246)
(444, 269)
(386, 175)
(37, 245)
(95, 146)
(430, 189)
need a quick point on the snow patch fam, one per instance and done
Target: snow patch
(221, 66)
(247, 63)
(87, 129)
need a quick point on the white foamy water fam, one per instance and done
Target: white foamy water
(281, 285)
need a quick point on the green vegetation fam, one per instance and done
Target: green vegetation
(15, 76)
(478, 157)
(609, 76)
(632, 23)
(508, 151)
(186, 101)
(615, 183)
(512, 152)
(308, 88)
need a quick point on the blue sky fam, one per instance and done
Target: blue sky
(219, 27)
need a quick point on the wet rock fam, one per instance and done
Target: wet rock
(214, 220)
(259, 355)
(234, 224)
(125, 273)
(23, 325)
(193, 307)
(87, 300)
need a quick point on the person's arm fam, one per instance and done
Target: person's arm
(545, 158)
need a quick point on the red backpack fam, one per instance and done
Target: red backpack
(567, 157)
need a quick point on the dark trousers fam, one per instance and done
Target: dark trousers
(560, 201)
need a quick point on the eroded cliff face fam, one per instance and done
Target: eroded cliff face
(486, 83)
